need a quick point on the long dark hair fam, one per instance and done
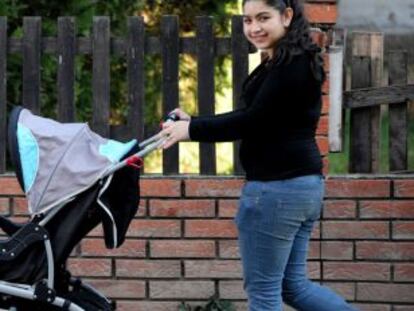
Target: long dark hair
(297, 39)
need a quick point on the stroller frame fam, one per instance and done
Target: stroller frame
(23, 236)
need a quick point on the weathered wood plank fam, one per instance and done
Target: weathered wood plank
(101, 75)
(240, 69)
(135, 72)
(187, 45)
(66, 69)
(32, 34)
(336, 59)
(371, 44)
(206, 100)
(398, 114)
(360, 133)
(369, 97)
(170, 59)
(3, 93)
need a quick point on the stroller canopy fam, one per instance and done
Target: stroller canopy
(54, 161)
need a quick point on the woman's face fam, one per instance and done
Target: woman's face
(263, 25)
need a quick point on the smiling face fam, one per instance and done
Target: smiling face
(264, 25)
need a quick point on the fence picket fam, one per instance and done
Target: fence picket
(135, 60)
(206, 100)
(66, 68)
(170, 59)
(3, 92)
(240, 57)
(398, 114)
(31, 62)
(101, 75)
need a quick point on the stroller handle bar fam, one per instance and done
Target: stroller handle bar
(147, 146)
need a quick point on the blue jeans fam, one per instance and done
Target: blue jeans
(275, 221)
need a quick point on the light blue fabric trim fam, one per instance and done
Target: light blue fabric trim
(29, 155)
(115, 150)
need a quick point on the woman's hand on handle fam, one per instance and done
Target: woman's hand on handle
(175, 132)
(183, 116)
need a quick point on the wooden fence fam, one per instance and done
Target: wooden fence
(205, 46)
(370, 89)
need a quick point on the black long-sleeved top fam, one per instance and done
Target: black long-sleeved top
(277, 125)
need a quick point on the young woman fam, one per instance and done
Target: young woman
(282, 197)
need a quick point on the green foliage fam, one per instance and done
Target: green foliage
(214, 304)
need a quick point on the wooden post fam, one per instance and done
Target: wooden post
(370, 44)
(135, 71)
(101, 75)
(206, 99)
(66, 52)
(336, 59)
(3, 93)
(32, 35)
(398, 114)
(170, 57)
(361, 126)
(240, 60)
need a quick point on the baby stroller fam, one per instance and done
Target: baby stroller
(73, 180)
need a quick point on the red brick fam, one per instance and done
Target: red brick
(182, 208)
(228, 208)
(355, 188)
(319, 37)
(154, 228)
(387, 209)
(4, 206)
(145, 305)
(361, 271)
(323, 144)
(148, 268)
(404, 272)
(232, 290)
(210, 228)
(337, 250)
(142, 208)
(314, 250)
(213, 269)
(385, 292)
(181, 289)
(96, 247)
(323, 126)
(385, 250)
(404, 188)
(321, 13)
(403, 230)
(355, 230)
(325, 85)
(213, 187)
(10, 186)
(20, 207)
(229, 249)
(120, 288)
(316, 232)
(403, 308)
(372, 307)
(325, 164)
(346, 290)
(314, 270)
(339, 209)
(193, 248)
(326, 62)
(325, 104)
(160, 187)
(90, 267)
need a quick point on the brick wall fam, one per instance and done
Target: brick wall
(182, 245)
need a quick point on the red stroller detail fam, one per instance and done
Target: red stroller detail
(74, 180)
